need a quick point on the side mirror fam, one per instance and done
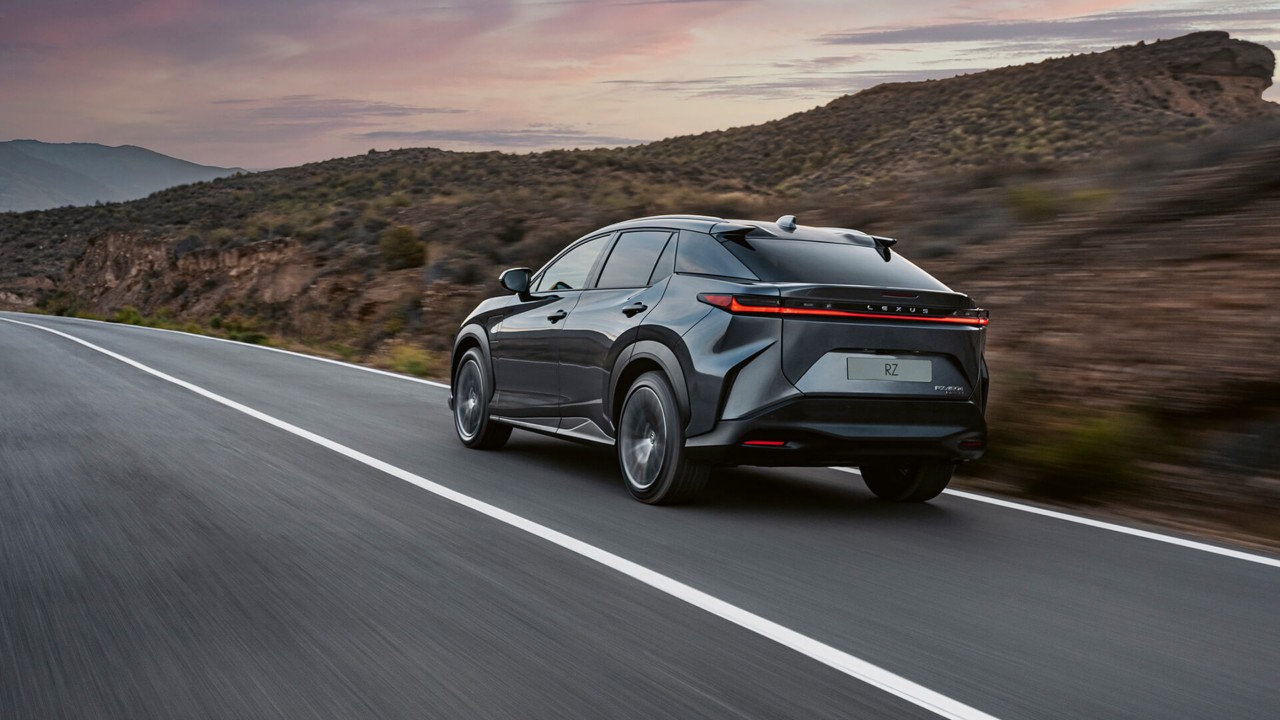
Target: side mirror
(517, 281)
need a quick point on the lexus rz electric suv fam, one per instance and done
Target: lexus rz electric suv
(689, 342)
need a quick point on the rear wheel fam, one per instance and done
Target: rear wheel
(907, 482)
(651, 450)
(472, 388)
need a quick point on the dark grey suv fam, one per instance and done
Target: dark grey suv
(689, 342)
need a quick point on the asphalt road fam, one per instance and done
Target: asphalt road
(164, 555)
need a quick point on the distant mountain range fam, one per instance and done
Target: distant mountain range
(36, 175)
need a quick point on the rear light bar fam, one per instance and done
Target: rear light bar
(760, 305)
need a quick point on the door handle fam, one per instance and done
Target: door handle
(557, 316)
(634, 308)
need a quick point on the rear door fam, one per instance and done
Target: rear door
(604, 322)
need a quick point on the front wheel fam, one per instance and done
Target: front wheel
(915, 482)
(651, 450)
(472, 388)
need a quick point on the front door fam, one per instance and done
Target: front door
(525, 357)
(525, 344)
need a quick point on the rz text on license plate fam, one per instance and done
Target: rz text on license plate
(887, 367)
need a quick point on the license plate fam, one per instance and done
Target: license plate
(887, 367)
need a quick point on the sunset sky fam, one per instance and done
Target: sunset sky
(270, 83)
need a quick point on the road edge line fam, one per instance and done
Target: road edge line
(1104, 525)
(331, 361)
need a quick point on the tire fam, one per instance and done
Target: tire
(651, 452)
(915, 482)
(472, 388)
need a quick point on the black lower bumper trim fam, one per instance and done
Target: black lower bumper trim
(817, 431)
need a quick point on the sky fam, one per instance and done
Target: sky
(272, 83)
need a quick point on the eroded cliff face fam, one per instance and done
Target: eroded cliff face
(25, 292)
(277, 281)
(119, 269)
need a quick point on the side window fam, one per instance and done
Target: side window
(631, 262)
(702, 254)
(666, 263)
(570, 272)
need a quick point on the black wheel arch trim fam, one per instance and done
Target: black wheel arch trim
(468, 336)
(661, 355)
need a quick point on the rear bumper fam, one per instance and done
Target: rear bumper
(846, 431)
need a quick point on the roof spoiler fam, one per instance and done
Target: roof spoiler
(733, 231)
(883, 244)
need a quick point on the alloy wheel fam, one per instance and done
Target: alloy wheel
(643, 436)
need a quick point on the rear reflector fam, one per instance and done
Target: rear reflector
(765, 443)
(762, 305)
(973, 444)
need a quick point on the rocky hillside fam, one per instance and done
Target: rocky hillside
(1057, 110)
(1117, 212)
(36, 175)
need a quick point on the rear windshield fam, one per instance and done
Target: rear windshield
(821, 263)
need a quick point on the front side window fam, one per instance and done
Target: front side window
(631, 262)
(573, 268)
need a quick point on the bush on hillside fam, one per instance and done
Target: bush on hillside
(1087, 458)
(401, 248)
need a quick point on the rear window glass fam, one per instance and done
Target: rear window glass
(821, 263)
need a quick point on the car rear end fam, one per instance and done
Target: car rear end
(871, 359)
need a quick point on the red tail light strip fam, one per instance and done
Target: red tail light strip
(730, 303)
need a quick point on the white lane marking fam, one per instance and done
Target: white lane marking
(1170, 539)
(237, 343)
(1008, 504)
(844, 662)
